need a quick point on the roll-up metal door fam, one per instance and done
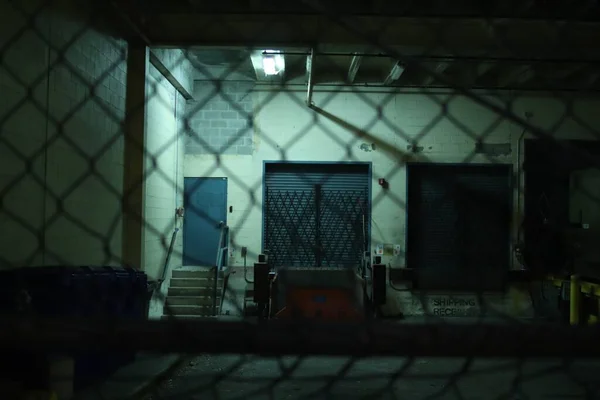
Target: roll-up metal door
(458, 225)
(316, 215)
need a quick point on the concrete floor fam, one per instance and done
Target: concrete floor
(253, 378)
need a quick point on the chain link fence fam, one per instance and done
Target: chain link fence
(457, 143)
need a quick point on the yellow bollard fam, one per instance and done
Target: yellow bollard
(574, 300)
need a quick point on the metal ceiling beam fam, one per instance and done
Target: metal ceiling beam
(417, 53)
(386, 8)
(518, 75)
(354, 66)
(168, 75)
(565, 72)
(438, 69)
(526, 37)
(395, 73)
(483, 69)
(589, 80)
(472, 72)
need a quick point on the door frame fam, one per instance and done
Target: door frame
(224, 178)
(367, 164)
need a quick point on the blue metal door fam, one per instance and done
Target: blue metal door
(205, 202)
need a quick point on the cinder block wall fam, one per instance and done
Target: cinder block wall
(164, 163)
(164, 169)
(220, 116)
(61, 148)
(370, 125)
(61, 143)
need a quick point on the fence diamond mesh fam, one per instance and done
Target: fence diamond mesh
(321, 199)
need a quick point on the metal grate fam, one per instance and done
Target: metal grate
(344, 223)
(291, 229)
(318, 228)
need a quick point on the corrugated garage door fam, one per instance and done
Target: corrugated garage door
(458, 225)
(316, 215)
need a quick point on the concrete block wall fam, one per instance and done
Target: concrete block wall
(61, 152)
(165, 145)
(220, 118)
(161, 170)
(371, 125)
(164, 163)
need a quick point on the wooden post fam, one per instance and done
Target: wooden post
(134, 158)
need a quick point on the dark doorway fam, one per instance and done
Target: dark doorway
(458, 225)
(547, 169)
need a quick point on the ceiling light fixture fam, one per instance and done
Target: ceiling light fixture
(273, 62)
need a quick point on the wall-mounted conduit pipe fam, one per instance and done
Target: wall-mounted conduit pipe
(309, 72)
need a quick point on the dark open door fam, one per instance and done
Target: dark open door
(458, 225)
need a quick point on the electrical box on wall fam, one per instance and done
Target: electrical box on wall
(388, 249)
(397, 250)
(383, 183)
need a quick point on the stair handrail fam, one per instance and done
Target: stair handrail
(221, 261)
(223, 246)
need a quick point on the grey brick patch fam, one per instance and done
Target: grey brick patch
(244, 150)
(217, 123)
(224, 119)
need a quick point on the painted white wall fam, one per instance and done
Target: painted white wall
(285, 128)
(163, 189)
(164, 173)
(61, 152)
(160, 172)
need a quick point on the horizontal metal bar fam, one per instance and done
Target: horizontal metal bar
(512, 339)
(168, 75)
(411, 89)
(481, 59)
(449, 10)
(481, 90)
(471, 35)
(590, 288)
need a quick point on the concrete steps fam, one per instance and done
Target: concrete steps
(199, 273)
(190, 293)
(204, 310)
(190, 300)
(193, 282)
(180, 317)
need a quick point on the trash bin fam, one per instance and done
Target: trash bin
(86, 291)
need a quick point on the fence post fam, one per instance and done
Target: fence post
(574, 303)
(134, 139)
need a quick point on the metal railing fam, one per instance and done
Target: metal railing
(220, 269)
